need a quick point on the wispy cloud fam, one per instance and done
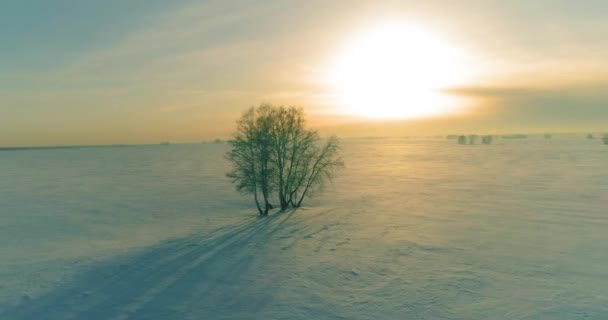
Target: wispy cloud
(575, 106)
(197, 64)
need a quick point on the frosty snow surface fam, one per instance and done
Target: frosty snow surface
(410, 229)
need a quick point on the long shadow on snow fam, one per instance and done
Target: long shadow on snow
(198, 274)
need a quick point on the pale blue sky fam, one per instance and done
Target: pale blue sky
(96, 72)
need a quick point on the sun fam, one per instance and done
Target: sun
(396, 71)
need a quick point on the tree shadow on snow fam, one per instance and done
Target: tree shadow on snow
(202, 276)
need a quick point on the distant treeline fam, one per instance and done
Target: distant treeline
(514, 136)
(488, 139)
(485, 139)
(472, 138)
(64, 147)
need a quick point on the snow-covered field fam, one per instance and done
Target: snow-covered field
(411, 229)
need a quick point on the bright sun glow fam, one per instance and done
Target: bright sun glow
(395, 71)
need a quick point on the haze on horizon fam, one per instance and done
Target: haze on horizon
(91, 72)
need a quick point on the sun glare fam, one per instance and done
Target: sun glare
(394, 71)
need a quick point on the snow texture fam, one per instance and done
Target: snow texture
(410, 229)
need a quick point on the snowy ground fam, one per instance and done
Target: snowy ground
(412, 229)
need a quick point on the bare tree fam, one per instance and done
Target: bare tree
(316, 167)
(281, 155)
(301, 165)
(250, 157)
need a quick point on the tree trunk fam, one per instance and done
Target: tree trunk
(257, 202)
(284, 203)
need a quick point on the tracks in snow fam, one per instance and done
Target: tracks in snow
(177, 279)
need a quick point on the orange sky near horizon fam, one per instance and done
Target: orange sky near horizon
(147, 71)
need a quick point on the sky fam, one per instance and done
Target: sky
(146, 71)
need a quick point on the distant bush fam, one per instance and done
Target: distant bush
(605, 139)
(548, 136)
(487, 139)
(462, 140)
(590, 136)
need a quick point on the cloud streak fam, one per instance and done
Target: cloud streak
(145, 66)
